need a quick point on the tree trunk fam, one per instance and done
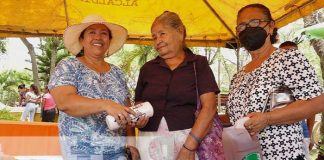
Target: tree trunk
(56, 43)
(318, 45)
(32, 54)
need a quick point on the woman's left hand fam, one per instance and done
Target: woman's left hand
(134, 152)
(142, 121)
(185, 154)
(257, 122)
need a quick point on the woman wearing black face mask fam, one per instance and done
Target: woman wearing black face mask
(270, 67)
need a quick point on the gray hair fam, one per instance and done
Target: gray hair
(171, 19)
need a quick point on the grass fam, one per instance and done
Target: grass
(5, 114)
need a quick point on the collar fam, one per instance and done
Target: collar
(189, 57)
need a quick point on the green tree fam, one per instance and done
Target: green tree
(130, 61)
(32, 53)
(318, 45)
(9, 81)
(52, 50)
(3, 44)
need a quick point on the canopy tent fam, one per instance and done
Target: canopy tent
(208, 22)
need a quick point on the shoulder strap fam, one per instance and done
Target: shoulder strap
(196, 80)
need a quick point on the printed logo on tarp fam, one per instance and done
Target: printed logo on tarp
(132, 3)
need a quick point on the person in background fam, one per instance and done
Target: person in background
(288, 45)
(86, 89)
(48, 106)
(270, 68)
(22, 90)
(32, 102)
(308, 124)
(169, 83)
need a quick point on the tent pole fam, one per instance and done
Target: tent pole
(219, 83)
(219, 18)
(66, 14)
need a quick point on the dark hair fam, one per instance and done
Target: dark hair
(288, 44)
(21, 86)
(266, 11)
(80, 54)
(35, 89)
(273, 36)
(171, 19)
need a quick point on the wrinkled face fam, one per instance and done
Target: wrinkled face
(95, 40)
(247, 16)
(167, 40)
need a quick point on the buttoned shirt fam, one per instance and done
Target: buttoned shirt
(173, 93)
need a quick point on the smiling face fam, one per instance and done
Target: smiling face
(168, 41)
(95, 40)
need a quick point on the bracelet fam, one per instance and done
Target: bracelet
(191, 150)
(128, 146)
(198, 140)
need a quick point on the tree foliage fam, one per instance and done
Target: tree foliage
(3, 44)
(32, 54)
(9, 81)
(52, 45)
(130, 61)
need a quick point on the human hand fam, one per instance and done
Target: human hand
(141, 122)
(257, 122)
(185, 154)
(120, 113)
(311, 144)
(133, 152)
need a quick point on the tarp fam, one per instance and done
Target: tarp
(208, 22)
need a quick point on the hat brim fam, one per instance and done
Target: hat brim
(72, 35)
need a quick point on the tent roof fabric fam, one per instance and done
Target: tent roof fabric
(208, 22)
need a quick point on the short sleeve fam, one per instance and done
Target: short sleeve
(29, 94)
(65, 74)
(46, 96)
(205, 77)
(299, 75)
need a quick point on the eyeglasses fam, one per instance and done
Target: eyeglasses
(252, 23)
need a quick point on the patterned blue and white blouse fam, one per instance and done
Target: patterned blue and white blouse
(88, 137)
(249, 91)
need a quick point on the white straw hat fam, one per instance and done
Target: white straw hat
(72, 34)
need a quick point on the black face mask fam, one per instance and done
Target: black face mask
(253, 38)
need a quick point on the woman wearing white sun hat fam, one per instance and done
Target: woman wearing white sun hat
(86, 89)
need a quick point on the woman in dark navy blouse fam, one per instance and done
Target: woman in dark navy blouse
(168, 83)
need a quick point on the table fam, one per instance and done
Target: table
(29, 138)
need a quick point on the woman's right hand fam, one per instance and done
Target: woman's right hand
(120, 113)
(257, 122)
